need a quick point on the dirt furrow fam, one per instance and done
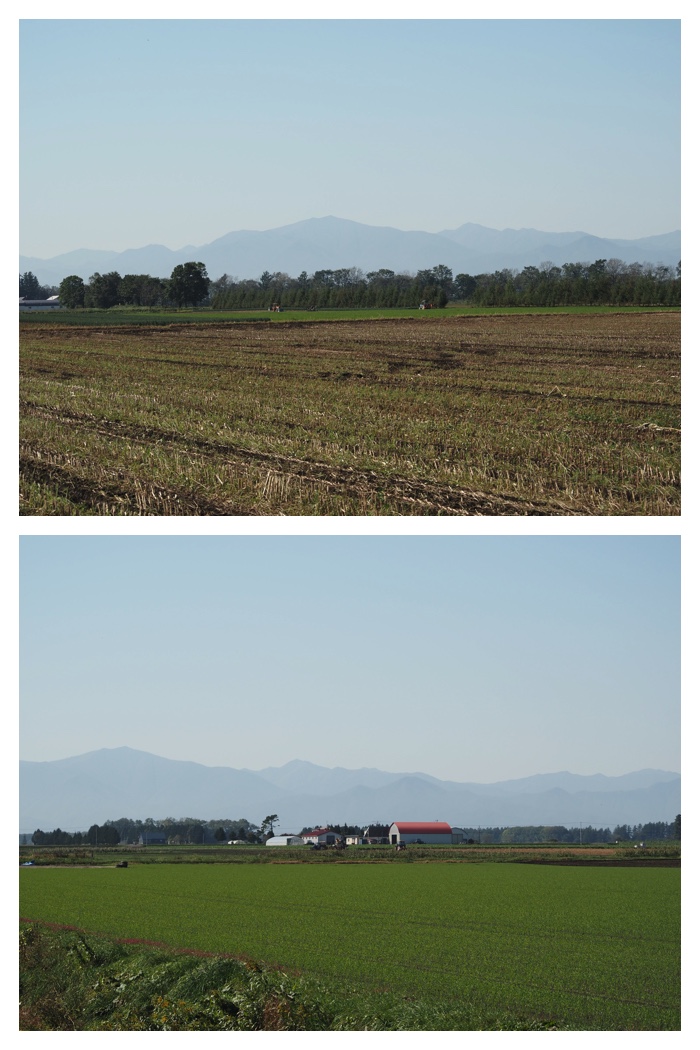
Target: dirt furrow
(431, 497)
(119, 497)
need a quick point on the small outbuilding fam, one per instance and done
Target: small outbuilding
(285, 840)
(429, 833)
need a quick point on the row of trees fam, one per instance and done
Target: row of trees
(188, 285)
(96, 835)
(188, 830)
(657, 831)
(604, 282)
(337, 289)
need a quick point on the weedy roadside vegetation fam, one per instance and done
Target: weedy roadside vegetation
(457, 415)
(665, 853)
(72, 981)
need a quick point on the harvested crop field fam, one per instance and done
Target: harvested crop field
(462, 415)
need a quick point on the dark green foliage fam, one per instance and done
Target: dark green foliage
(72, 292)
(657, 831)
(107, 835)
(72, 982)
(185, 830)
(103, 290)
(603, 282)
(142, 290)
(29, 287)
(189, 284)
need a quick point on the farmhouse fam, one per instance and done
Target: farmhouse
(431, 833)
(320, 836)
(40, 304)
(285, 840)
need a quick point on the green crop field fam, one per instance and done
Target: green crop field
(452, 414)
(156, 315)
(586, 947)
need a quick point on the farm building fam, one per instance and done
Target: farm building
(153, 838)
(377, 834)
(40, 304)
(285, 840)
(320, 836)
(431, 833)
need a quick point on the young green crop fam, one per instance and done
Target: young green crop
(591, 947)
(156, 315)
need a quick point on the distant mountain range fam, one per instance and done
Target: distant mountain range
(73, 793)
(332, 244)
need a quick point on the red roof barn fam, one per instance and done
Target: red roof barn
(428, 832)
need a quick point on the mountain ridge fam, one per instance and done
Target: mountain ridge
(333, 243)
(109, 783)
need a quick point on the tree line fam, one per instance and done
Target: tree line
(184, 831)
(188, 285)
(604, 282)
(188, 830)
(655, 831)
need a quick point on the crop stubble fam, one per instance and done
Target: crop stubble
(447, 415)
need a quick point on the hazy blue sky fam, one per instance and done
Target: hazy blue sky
(177, 132)
(469, 658)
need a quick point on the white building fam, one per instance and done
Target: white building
(320, 836)
(52, 303)
(285, 840)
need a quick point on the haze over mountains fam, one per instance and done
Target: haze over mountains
(330, 244)
(74, 793)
